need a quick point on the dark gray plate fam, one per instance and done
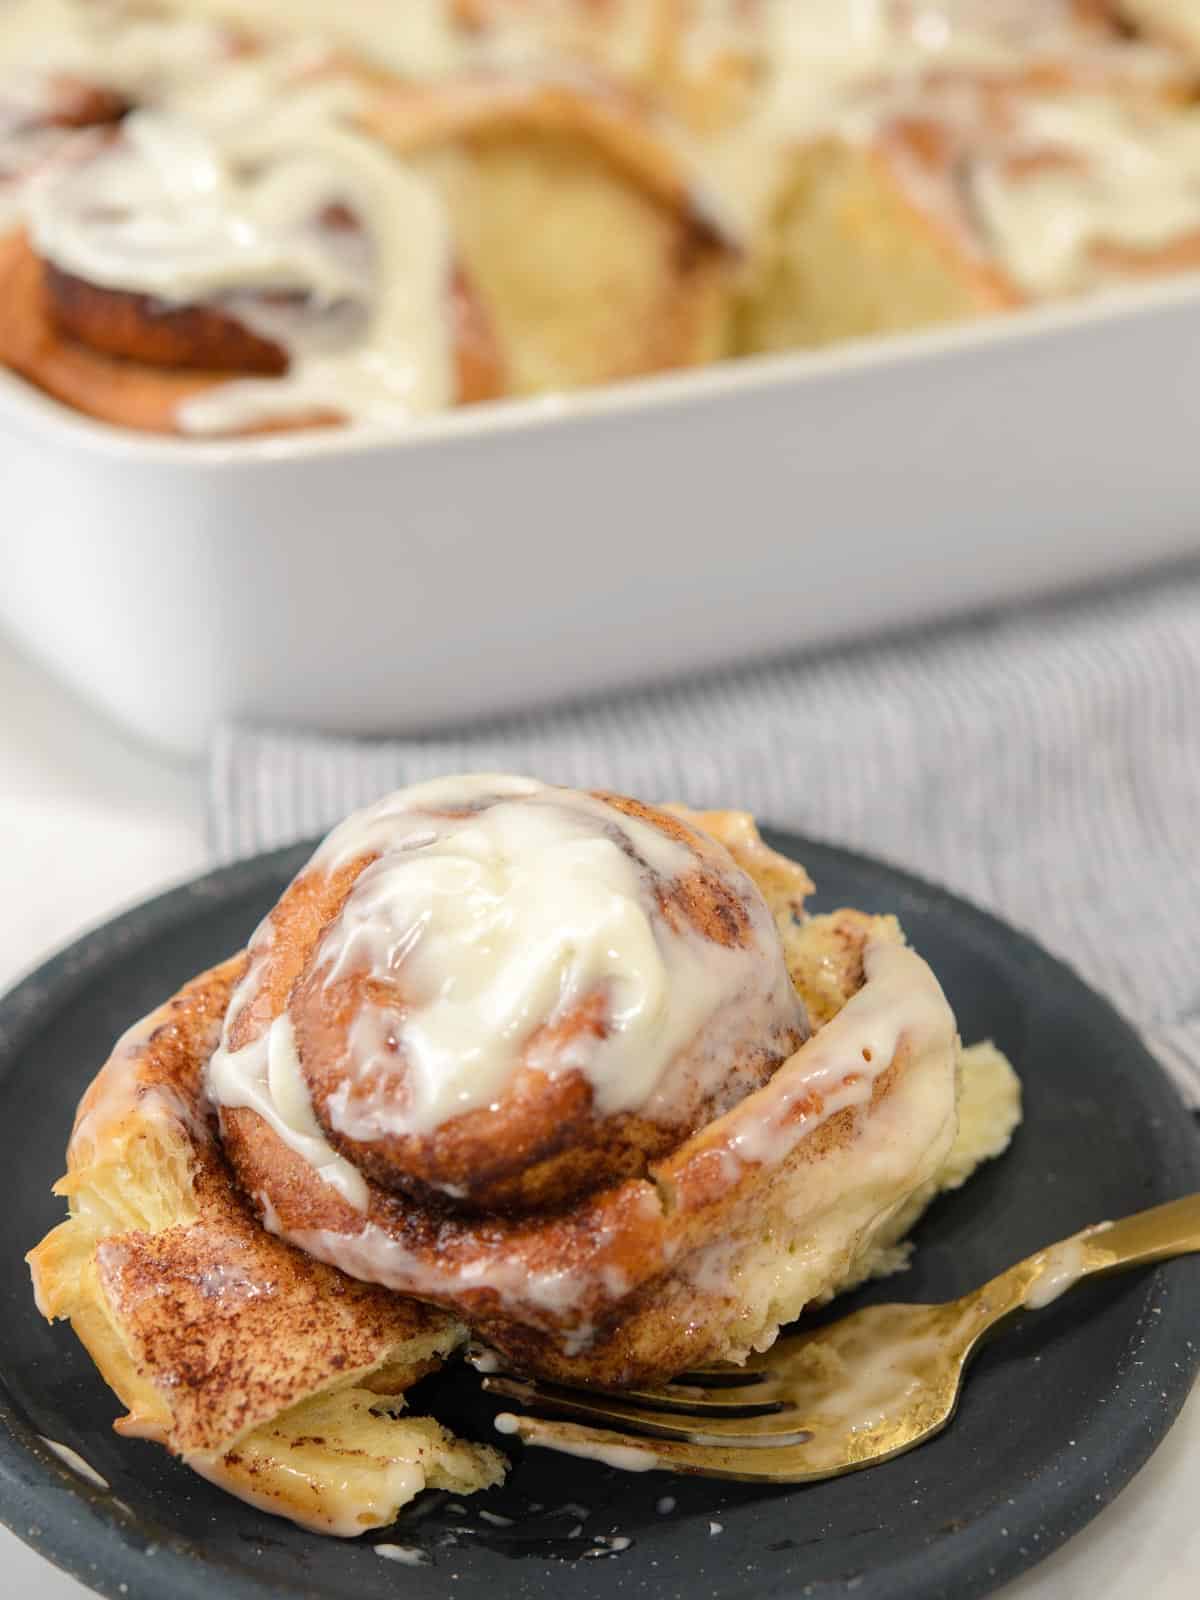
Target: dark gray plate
(1055, 1418)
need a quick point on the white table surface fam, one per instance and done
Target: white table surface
(90, 824)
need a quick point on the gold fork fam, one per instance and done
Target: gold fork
(842, 1397)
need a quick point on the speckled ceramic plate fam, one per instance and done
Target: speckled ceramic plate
(1055, 1418)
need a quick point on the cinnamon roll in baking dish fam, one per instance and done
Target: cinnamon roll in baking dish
(950, 160)
(299, 240)
(457, 200)
(223, 280)
(563, 1072)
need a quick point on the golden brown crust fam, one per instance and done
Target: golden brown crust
(137, 327)
(478, 357)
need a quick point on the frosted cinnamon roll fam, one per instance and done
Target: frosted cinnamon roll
(280, 271)
(273, 1376)
(537, 1056)
(980, 195)
(843, 161)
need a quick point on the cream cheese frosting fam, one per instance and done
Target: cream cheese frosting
(498, 905)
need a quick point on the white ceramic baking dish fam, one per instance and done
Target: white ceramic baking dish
(518, 554)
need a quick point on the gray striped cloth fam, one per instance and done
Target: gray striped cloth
(1045, 764)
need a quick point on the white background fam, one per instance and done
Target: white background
(90, 824)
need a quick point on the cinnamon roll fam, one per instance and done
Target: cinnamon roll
(571, 1074)
(534, 1056)
(276, 1377)
(928, 167)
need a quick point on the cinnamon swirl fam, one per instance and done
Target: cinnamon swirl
(532, 1055)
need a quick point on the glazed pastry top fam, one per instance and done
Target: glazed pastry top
(491, 968)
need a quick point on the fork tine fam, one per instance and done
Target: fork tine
(776, 1427)
(723, 1377)
(757, 1366)
(680, 1401)
(663, 1455)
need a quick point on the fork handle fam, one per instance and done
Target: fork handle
(1158, 1234)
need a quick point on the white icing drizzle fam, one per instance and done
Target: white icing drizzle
(407, 1555)
(96, 43)
(75, 1461)
(849, 1194)
(772, 1265)
(417, 38)
(266, 1068)
(838, 1068)
(265, 1077)
(368, 334)
(375, 1256)
(1062, 1267)
(627, 1457)
(425, 39)
(1115, 172)
(120, 45)
(499, 918)
(859, 1378)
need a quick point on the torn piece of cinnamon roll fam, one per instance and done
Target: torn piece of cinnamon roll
(585, 229)
(544, 1058)
(276, 1377)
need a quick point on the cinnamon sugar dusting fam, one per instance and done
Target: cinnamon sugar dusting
(224, 1323)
